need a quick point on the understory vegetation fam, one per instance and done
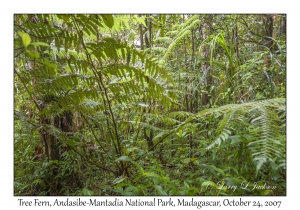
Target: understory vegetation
(149, 104)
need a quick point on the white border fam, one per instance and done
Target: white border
(8, 8)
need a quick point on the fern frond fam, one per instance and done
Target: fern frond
(267, 132)
(268, 142)
(184, 31)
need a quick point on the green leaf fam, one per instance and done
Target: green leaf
(108, 20)
(186, 160)
(179, 133)
(213, 169)
(121, 185)
(40, 44)
(131, 149)
(266, 192)
(161, 134)
(236, 139)
(33, 54)
(40, 182)
(231, 181)
(151, 174)
(71, 142)
(25, 38)
(143, 105)
(160, 190)
(87, 192)
(206, 184)
(118, 180)
(124, 158)
(131, 190)
(77, 139)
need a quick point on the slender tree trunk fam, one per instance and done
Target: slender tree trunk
(185, 65)
(236, 50)
(150, 31)
(141, 35)
(206, 83)
(236, 42)
(269, 43)
(268, 20)
(147, 40)
(194, 104)
(283, 24)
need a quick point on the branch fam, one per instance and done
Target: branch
(93, 132)
(37, 106)
(38, 37)
(130, 164)
(101, 167)
(101, 86)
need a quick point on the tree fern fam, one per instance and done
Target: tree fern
(76, 70)
(267, 133)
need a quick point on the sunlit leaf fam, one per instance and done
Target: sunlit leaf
(25, 38)
(108, 20)
(151, 174)
(87, 192)
(40, 44)
(118, 180)
(124, 158)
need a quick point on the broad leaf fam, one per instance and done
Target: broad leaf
(124, 158)
(40, 44)
(108, 20)
(87, 192)
(25, 38)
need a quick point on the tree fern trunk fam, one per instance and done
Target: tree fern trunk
(53, 146)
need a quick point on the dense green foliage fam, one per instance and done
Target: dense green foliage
(149, 104)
